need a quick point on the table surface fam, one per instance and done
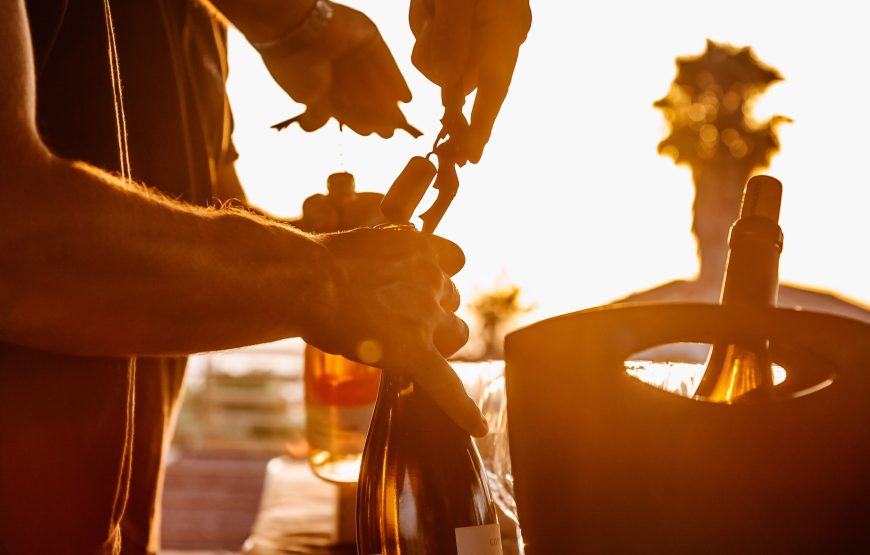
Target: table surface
(298, 515)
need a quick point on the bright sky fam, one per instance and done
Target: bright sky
(571, 201)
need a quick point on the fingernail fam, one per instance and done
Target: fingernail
(482, 427)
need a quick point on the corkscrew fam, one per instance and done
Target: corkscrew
(408, 189)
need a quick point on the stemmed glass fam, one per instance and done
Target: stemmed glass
(495, 451)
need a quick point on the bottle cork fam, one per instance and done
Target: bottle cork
(762, 197)
(407, 190)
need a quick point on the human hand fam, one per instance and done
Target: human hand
(322, 214)
(341, 209)
(348, 73)
(395, 308)
(468, 44)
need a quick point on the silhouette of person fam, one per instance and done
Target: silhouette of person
(102, 278)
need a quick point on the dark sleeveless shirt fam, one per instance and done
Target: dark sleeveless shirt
(66, 422)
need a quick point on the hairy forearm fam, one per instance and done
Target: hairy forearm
(91, 266)
(263, 20)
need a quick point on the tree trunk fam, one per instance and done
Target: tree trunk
(718, 194)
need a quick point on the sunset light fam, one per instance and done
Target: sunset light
(434, 277)
(571, 201)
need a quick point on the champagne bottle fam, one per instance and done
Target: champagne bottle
(340, 394)
(422, 487)
(741, 371)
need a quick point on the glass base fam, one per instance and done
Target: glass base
(340, 469)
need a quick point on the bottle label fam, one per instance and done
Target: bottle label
(478, 540)
(341, 430)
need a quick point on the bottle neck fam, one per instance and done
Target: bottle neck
(392, 386)
(400, 396)
(752, 275)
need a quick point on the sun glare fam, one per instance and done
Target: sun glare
(571, 201)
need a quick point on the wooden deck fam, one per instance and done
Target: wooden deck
(210, 502)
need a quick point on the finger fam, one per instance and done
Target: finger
(318, 214)
(494, 78)
(364, 100)
(440, 382)
(363, 211)
(387, 70)
(450, 335)
(382, 119)
(472, 74)
(351, 105)
(315, 116)
(500, 34)
(304, 77)
(400, 243)
(385, 243)
(450, 256)
(444, 40)
(451, 36)
(371, 64)
(419, 13)
(386, 117)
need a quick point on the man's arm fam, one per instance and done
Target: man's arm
(90, 265)
(94, 266)
(329, 57)
(470, 44)
(263, 20)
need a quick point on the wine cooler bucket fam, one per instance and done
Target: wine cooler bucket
(604, 463)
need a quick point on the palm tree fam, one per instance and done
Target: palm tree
(495, 311)
(709, 110)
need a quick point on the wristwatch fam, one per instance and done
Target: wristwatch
(301, 35)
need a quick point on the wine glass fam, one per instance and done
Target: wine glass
(495, 451)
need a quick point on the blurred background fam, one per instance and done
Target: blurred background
(571, 201)
(570, 207)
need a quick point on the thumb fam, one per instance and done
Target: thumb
(437, 378)
(319, 215)
(314, 117)
(443, 44)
